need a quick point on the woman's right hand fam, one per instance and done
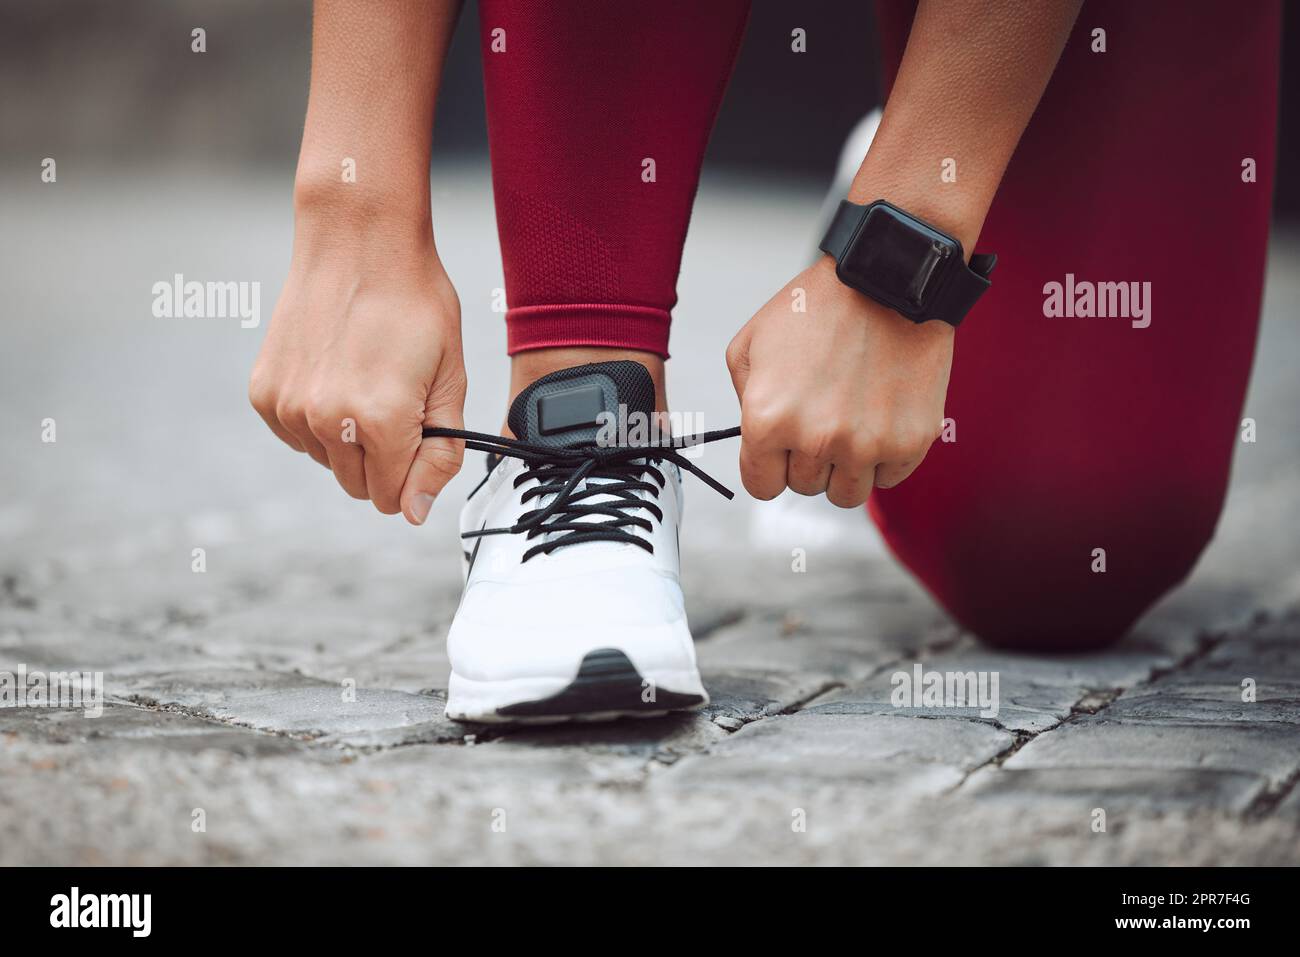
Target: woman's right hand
(363, 351)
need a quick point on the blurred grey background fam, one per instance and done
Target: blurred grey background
(118, 82)
(115, 85)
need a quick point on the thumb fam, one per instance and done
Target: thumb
(436, 462)
(738, 360)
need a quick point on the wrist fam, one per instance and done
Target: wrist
(323, 199)
(844, 299)
(840, 294)
(338, 219)
(957, 208)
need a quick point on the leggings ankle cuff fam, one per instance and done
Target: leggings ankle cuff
(642, 328)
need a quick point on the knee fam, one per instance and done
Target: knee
(1078, 583)
(1063, 633)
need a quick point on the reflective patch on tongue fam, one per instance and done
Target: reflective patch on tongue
(569, 407)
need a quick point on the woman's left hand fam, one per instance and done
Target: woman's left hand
(839, 398)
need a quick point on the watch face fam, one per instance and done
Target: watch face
(897, 259)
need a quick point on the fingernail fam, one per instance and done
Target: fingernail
(420, 505)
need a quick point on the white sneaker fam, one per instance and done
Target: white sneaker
(572, 606)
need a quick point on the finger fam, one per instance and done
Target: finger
(763, 471)
(807, 474)
(887, 476)
(436, 462)
(294, 421)
(262, 397)
(900, 461)
(337, 434)
(390, 447)
(850, 485)
(347, 459)
(281, 433)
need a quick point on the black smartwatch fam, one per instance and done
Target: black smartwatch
(905, 263)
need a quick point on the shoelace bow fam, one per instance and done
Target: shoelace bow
(620, 469)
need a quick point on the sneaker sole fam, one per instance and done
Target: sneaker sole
(607, 686)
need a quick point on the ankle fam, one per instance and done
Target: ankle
(527, 367)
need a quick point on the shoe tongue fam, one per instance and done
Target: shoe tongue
(570, 407)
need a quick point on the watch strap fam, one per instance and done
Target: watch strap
(840, 232)
(963, 289)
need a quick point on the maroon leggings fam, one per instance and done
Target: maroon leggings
(1071, 434)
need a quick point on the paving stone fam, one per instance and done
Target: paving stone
(1206, 697)
(136, 583)
(788, 644)
(837, 626)
(550, 760)
(1121, 791)
(907, 756)
(1266, 750)
(1030, 708)
(1209, 688)
(1022, 704)
(53, 642)
(708, 613)
(123, 730)
(1035, 692)
(1217, 604)
(301, 629)
(748, 694)
(1268, 651)
(414, 663)
(296, 705)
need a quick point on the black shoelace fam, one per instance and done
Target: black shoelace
(621, 472)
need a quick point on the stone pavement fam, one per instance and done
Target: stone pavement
(226, 689)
